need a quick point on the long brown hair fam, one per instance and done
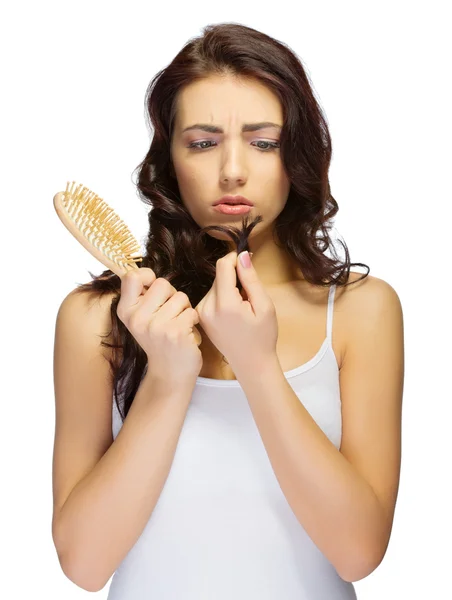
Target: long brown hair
(176, 247)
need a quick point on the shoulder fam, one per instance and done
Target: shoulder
(88, 304)
(88, 314)
(367, 297)
(368, 308)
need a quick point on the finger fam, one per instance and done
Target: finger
(226, 279)
(166, 304)
(253, 287)
(134, 284)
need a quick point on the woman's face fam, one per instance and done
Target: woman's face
(209, 165)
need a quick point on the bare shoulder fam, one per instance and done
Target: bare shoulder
(365, 306)
(92, 312)
(362, 306)
(362, 297)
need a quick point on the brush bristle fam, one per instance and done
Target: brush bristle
(99, 224)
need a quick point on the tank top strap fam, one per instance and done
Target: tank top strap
(329, 321)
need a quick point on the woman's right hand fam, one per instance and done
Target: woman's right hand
(161, 319)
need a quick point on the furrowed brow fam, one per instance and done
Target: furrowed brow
(245, 128)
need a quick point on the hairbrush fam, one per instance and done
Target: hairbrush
(100, 230)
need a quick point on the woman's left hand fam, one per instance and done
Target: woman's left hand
(244, 331)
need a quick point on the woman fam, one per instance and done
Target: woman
(265, 462)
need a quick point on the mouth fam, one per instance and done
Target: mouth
(233, 201)
(232, 209)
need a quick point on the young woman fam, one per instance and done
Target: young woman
(265, 462)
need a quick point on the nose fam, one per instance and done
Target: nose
(233, 166)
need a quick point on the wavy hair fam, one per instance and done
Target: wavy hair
(176, 247)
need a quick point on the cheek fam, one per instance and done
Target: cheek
(285, 185)
(191, 175)
(282, 181)
(193, 188)
(275, 179)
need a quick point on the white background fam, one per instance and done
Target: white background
(74, 76)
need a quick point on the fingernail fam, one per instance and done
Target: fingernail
(245, 259)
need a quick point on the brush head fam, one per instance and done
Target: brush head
(98, 228)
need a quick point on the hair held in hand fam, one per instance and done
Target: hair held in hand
(176, 247)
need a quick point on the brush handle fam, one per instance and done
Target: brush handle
(119, 270)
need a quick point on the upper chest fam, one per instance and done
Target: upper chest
(301, 312)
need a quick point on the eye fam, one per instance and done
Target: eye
(273, 145)
(197, 145)
(270, 145)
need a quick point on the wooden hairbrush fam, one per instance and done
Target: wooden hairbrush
(100, 230)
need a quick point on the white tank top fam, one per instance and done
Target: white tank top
(222, 528)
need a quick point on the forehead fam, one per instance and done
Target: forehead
(226, 101)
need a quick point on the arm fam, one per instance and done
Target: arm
(108, 509)
(344, 499)
(104, 490)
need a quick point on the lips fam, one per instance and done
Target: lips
(233, 200)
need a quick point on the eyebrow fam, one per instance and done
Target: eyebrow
(245, 127)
